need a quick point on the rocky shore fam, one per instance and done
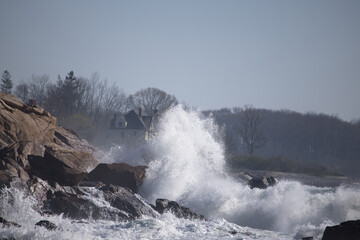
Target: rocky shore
(51, 164)
(54, 166)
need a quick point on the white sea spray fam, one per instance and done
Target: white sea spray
(186, 164)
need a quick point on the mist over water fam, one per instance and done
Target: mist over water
(188, 165)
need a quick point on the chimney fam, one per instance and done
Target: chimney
(140, 112)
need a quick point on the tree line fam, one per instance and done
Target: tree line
(308, 139)
(85, 105)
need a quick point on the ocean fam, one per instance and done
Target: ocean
(186, 164)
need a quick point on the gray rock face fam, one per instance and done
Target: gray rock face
(349, 230)
(124, 204)
(124, 200)
(164, 205)
(120, 174)
(76, 207)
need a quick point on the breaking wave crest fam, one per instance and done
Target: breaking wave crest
(188, 165)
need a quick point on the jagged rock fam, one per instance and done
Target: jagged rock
(123, 199)
(6, 223)
(46, 224)
(124, 204)
(76, 207)
(20, 122)
(31, 144)
(49, 161)
(164, 205)
(349, 230)
(262, 183)
(120, 174)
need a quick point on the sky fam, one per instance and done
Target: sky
(297, 55)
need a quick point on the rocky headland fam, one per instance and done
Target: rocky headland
(52, 164)
(60, 170)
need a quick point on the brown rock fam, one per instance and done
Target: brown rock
(31, 144)
(120, 174)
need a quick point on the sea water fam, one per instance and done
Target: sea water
(186, 164)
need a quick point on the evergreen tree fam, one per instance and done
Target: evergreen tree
(6, 84)
(70, 93)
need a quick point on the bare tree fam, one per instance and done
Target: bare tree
(250, 132)
(150, 99)
(37, 88)
(22, 91)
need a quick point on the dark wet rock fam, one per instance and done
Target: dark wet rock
(233, 232)
(6, 223)
(349, 230)
(164, 205)
(46, 224)
(120, 174)
(262, 183)
(124, 204)
(76, 207)
(125, 200)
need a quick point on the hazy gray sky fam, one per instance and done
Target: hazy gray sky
(297, 55)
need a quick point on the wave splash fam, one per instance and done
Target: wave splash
(188, 165)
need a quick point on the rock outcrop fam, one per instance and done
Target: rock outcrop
(349, 230)
(48, 162)
(261, 183)
(124, 205)
(164, 205)
(120, 174)
(32, 145)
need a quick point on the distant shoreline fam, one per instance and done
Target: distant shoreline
(317, 181)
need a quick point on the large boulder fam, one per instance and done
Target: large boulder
(117, 204)
(20, 122)
(33, 145)
(124, 200)
(120, 174)
(164, 205)
(349, 230)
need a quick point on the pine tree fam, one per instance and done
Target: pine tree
(6, 84)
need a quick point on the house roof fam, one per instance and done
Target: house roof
(134, 121)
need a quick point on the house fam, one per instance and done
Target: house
(133, 126)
